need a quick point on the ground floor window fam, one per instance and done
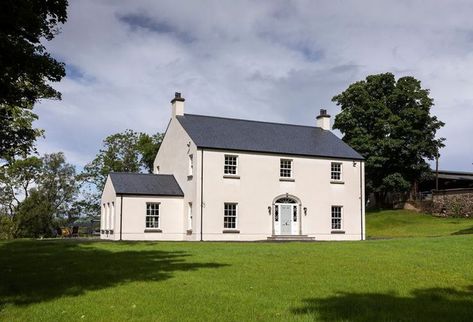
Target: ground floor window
(152, 215)
(230, 216)
(336, 217)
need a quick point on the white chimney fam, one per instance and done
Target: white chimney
(177, 105)
(323, 120)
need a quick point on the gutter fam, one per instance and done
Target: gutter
(361, 198)
(202, 195)
(121, 216)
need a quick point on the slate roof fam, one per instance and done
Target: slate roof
(145, 184)
(244, 135)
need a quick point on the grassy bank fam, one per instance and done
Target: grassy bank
(405, 223)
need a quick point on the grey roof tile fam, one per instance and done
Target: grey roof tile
(244, 135)
(145, 184)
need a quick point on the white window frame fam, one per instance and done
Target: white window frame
(332, 218)
(109, 216)
(225, 215)
(334, 173)
(227, 166)
(103, 218)
(112, 216)
(158, 216)
(191, 165)
(290, 168)
(189, 216)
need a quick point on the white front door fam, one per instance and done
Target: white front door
(285, 219)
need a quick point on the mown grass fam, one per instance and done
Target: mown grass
(405, 223)
(411, 279)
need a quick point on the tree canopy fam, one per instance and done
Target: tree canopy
(389, 122)
(37, 195)
(26, 68)
(128, 151)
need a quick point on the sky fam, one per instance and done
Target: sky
(278, 61)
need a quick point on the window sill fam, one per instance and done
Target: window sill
(337, 232)
(287, 179)
(190, 177)
(337, 182)
(189, 231)
(153, 230)
(231, 176)
(231, 231)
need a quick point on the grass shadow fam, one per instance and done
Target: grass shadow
(466, 231)
(32, 271)
(434, 304)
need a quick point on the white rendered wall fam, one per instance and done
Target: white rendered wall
(259, 184)
(173, 158)
(171, 225)
(108, 218)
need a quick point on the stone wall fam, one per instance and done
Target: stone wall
(453, 202)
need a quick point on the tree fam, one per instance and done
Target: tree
(58, 185)
(128, 151)
(16, 180)
(390, 124)
(26, 68)
(36, 195)
(34, 217)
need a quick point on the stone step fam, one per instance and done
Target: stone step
(291, 238)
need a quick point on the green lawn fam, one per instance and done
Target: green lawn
(411, 279)
(405, 223)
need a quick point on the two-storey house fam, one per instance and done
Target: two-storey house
(231, 179)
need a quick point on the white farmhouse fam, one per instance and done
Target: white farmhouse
(230, 179)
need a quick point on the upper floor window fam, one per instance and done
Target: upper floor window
(191, 165)
(230, 165)
(286, 168)
(230, 216)
(152, 215)
(336, 217)
(336, 171)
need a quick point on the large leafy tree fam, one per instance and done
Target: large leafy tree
(26, 68)
(51, 202)
(390, 123)
(37, 194)
(16, 179)
(128, 151)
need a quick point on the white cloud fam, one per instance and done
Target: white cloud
(266, 60)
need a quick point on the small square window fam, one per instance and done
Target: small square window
(286, 168)
(336, 171)
(336, 217)
(230, 165)
(230, 216)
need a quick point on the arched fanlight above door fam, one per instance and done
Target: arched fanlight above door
(285, 200)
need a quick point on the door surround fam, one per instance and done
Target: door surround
(293, 201)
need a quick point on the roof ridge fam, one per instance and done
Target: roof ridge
(255, 121)
(140, 173)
